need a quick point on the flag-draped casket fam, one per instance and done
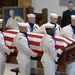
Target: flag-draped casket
(64, 46)
(67, 45)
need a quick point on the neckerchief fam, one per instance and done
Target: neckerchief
(31, 26)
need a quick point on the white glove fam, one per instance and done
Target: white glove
(12, 50)
(9, 51)
(35, 55)
(56, 59)
(59, 51)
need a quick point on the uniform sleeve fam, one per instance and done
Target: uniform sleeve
(4, 48)
(61, 33)
(22, 43)
(51, 47)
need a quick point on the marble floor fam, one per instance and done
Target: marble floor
(9, 66)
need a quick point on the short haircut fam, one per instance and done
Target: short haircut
(70, 2)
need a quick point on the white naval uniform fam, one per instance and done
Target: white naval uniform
(3, 50)
(50, 56)
(13, 23)
(24, 53)
(67, 31)
(35, 27)
(42, 28)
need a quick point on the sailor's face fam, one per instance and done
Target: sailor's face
(50, 31)
(31, 19)
(53, 20)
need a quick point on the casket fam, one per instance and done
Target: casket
(67, 57)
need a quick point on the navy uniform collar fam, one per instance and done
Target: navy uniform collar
(31, 26)
(25, 34)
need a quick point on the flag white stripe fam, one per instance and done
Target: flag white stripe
(35, 34)
(9, 35)
(61, 43)
(8, 43)
(70, 42)
(34, 39)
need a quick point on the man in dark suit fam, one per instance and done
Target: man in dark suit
(66, 17)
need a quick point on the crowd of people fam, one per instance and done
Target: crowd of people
(50, 30)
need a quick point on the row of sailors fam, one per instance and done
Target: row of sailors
(48, 45)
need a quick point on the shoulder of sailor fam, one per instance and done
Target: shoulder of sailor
(48, 38)
(20, 36)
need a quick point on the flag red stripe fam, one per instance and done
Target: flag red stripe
(11, 47)
(34, 43)
(39, 52)
(12, 32)
(8, 38)
(61, 40)
(69, 39)
(36, 36)
(59, 47)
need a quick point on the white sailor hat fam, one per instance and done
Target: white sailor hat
(30, 15)
(73, 17)
(1, 20)
(49, 26)
(53, 15)
(22, 24)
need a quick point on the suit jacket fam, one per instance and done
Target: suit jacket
(66, 17)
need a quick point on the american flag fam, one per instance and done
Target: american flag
(34, 41)
(9, 35)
